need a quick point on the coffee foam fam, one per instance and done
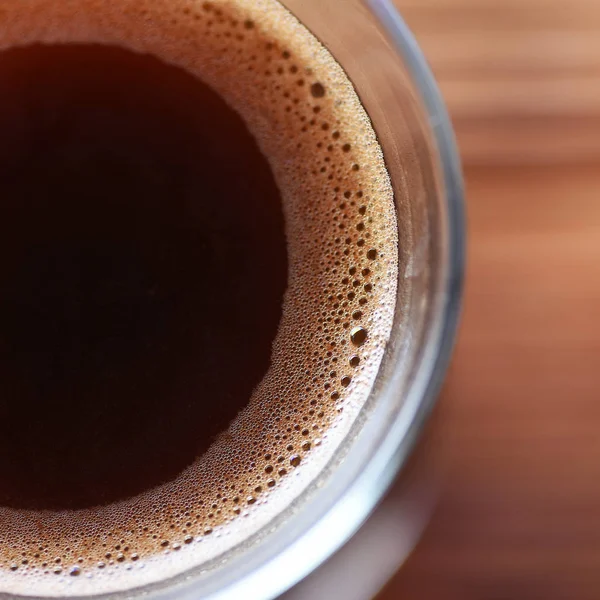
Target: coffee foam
(337, 313)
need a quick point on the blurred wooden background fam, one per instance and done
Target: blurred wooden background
(521, 77)
(519, 513)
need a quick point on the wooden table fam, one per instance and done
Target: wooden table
(518, 517)
(521, 77)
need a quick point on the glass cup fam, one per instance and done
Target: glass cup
(372, 43)
(378, 52)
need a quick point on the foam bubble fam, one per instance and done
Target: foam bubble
(337, 314)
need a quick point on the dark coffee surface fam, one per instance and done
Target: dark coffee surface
(142, 269)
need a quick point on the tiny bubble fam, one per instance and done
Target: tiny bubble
(317, 90)
(358, 335)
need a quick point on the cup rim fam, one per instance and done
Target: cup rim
(309, 541)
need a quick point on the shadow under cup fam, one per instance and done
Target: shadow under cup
(377, 52)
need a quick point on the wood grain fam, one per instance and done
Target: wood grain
(519, 514)
(521, 77)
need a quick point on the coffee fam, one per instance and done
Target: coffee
(132, 225)
(198, 275)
